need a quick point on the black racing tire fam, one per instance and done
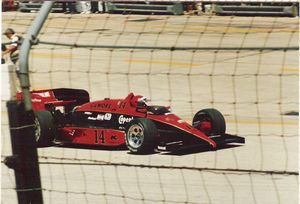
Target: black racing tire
(215, 117)
(141, 136)
(44, 128)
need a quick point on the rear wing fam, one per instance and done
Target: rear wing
(56, 97)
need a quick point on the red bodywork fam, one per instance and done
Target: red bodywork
(124, 110)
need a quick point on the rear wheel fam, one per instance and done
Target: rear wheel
(44, 128)
(141, 136)
(210, 121)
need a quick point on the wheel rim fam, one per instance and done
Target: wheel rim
(37, 129)
(135, 136)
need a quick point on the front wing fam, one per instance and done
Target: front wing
(220, 140)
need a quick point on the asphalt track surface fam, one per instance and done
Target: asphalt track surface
(252, 88)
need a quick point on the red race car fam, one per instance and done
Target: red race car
(67, 116)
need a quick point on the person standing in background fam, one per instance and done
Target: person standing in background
(101, 7)
(12, 48)
(97, 7)
(85, 7)
(94, 7)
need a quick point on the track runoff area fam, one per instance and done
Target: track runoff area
(246, 67)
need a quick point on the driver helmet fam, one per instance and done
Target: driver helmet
(139, 101)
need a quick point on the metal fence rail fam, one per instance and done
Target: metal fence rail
(268, 10)
(171, 8)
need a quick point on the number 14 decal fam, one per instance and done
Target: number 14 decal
(99, 137)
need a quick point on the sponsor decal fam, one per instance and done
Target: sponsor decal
(107, 116)
(72, 132)
(101, 105)
(113, 137)
(92, 118)
(36, 100)
(123, 119)
(122, 104)
(101, 117)
(44, 94)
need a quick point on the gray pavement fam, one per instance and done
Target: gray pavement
(252, 88)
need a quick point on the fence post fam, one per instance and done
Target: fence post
(24, 160)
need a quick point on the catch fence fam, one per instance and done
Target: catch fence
(246, 67)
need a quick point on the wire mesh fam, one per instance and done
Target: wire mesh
(247, 67)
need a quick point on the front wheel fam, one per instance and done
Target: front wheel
(44, 128)
(141, 136)
(210, 121)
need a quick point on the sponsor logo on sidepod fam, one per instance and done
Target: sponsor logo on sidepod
(101, 117)
(123, 119)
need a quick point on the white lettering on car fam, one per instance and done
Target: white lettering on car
(123, 119)
(106, 116)
(100, 117)
(36, 100)
(72, 132)
(92, 118)
(44, 94)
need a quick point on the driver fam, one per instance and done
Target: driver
(139, 101)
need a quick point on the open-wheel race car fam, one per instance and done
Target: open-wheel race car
(67, 116)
